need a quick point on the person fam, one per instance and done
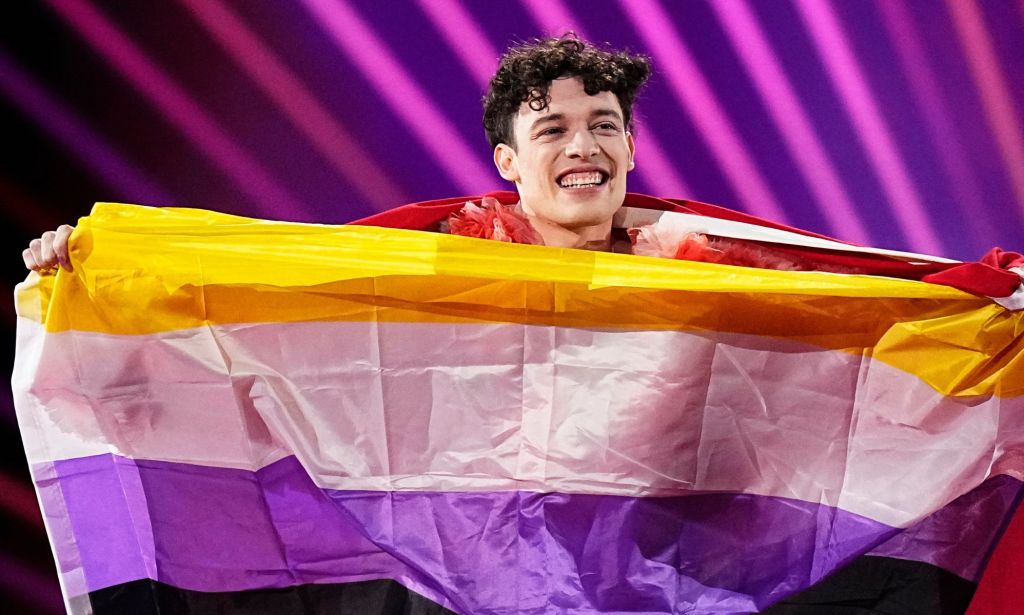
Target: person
(558, 116)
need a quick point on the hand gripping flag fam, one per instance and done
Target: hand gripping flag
(231, 415)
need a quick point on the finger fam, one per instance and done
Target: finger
(36, 246)
(34, 260)
(30, 261)
(46, 249)
(60, 246)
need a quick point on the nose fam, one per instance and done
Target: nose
(582, 145)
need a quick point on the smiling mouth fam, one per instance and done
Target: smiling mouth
(581, 180)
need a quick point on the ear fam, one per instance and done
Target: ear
(632, 150)
(506, 161)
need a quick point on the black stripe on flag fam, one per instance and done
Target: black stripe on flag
(871, 584)
(382, 597)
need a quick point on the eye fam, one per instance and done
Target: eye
(606, 126)
(547, 132)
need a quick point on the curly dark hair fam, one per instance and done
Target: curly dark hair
(527, 70)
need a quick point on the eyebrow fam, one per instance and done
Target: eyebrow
(606, 112)
(551, 117)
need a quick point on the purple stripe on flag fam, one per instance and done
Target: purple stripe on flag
(215, 529)
(88, 507)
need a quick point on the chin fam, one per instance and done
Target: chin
(591, 216)
(590, 211)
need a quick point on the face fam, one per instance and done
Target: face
(571, 159)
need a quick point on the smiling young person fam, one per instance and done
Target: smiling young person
(558, 115)
(569, 163)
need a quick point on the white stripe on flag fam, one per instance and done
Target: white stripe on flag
(433, 407)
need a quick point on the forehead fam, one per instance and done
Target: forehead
(567, 96)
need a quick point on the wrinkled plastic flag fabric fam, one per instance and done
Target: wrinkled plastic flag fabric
(218, 404)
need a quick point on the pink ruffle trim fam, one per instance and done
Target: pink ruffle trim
(492, 220)
(669, 241)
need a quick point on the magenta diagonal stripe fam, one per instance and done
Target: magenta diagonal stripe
(553, 17)
(792, 120)
(403, 95)
(652, 162)
(995, 94)
(184, 112)
(464, 37)
(695, 96)
(848, 78)
(655, 165)
(299, 105)
(18, 500)
(924, 85)
(88, 147)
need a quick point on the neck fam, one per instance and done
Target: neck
(597, 237)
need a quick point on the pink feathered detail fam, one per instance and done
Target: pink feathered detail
(492, 220)
(669, 241)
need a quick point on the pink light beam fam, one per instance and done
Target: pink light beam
(91, 150)
(995, 95)
(694, 94)
(299, 105)
(554, 18)
(848, 78)
(789, 116)
(652, 162)
(925, 86)
(399, 90)
(463, 36)
(177, 106)
(20, 500)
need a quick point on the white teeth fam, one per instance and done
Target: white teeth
(581, 180)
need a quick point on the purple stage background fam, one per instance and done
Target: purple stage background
(897, 124)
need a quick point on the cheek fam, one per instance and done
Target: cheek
(538, 170)
(618, 150)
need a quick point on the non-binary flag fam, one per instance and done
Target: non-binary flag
(232, 415)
